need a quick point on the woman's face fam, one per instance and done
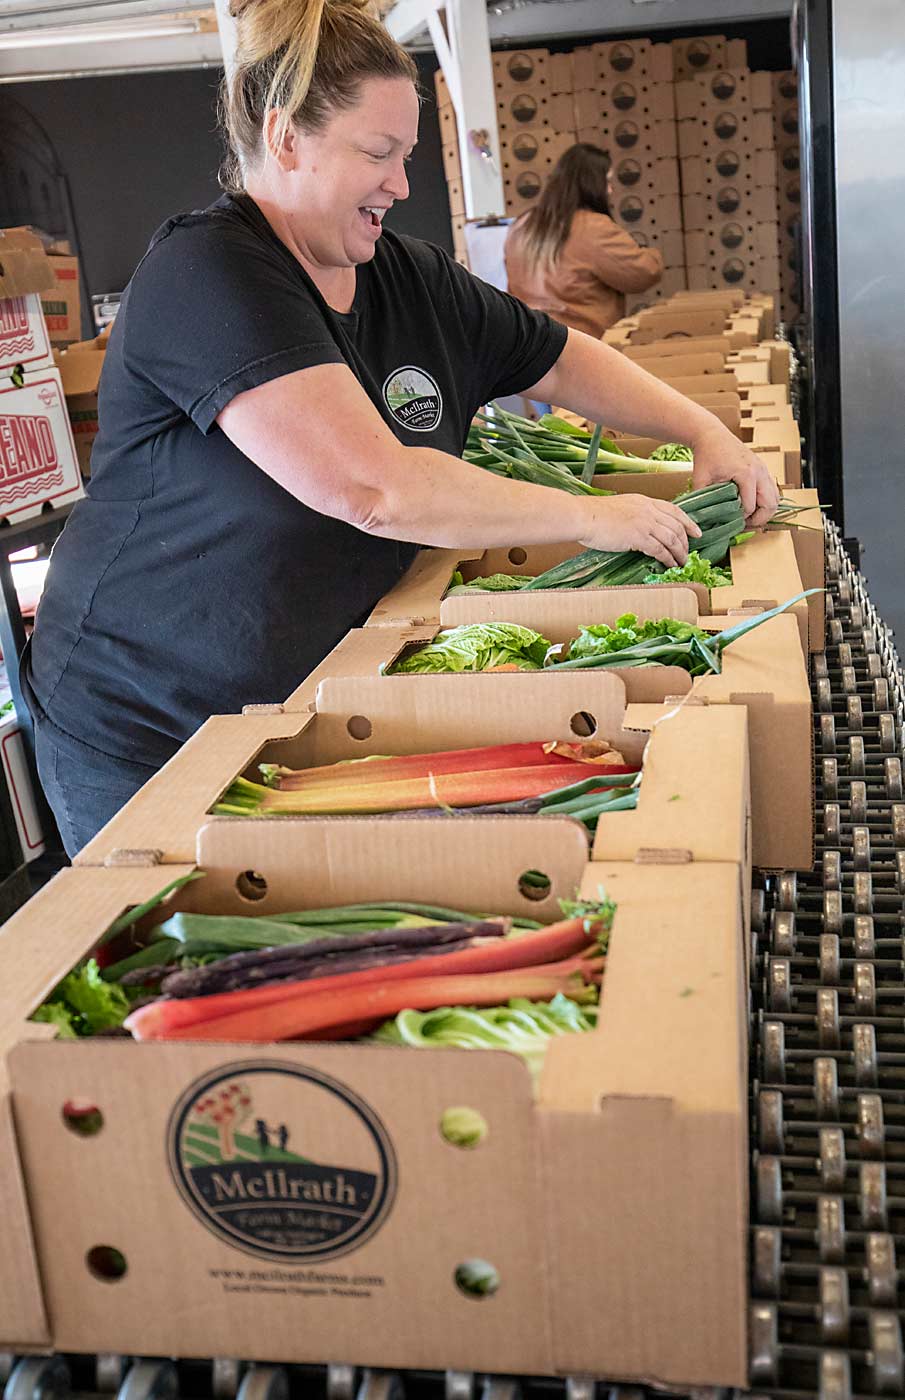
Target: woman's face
(344, 178)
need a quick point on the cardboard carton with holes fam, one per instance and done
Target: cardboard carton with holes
(764, 574)
(300, 1202)
(684, 806)
(764, 671)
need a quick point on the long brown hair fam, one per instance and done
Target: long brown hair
(305, 59)
(578, 181)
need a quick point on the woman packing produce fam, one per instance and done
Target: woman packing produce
(567, 257)
(285, 399)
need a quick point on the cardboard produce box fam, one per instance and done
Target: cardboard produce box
(765, 573)
(80, 371)
(26, 272)
(764, 670)
(810, 552)
(38, 464)
(62, 306)
(663, 1078)
(365, 714)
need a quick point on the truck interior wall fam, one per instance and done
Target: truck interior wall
(138, 148)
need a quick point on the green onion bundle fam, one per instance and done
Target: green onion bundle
(553, 453)
(717, 509)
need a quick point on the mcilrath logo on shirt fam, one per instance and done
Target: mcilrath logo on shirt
(414, 399)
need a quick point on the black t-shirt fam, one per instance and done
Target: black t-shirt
(188, 583)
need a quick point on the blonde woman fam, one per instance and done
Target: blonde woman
(567, 257)
(284, 403)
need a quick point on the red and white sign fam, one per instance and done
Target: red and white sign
(38, 463)
(24, 339)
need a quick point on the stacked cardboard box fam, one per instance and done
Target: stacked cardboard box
(624, 103)
(729, 180)
(452, 165)
(38, 463)
(788, 155)
(706, 53)
(536, 124)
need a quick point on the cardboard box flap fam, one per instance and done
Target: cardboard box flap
(559, 613)
(60, 924)
(769, 559)
(336, 861)
(166, 813)
(24, 265)
(670, 817)
(431, 571)
(665, 1155)
(767, 660)
(23, 1318)
(422, 714)
(669, 994)
(358, 654)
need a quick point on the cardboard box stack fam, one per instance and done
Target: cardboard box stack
(625, 103)
(536, 123)
(38, 465)
(788, 156)
(729, 180)
(705, 153)
(452, 165)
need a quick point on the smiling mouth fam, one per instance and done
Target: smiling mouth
(372, 215)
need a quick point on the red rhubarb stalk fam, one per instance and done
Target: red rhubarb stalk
(490, 757)
(540, 946)
(299, 1015)
(435, 790)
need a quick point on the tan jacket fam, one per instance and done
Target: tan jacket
(585, 287)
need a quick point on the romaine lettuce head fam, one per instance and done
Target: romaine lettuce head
(477, 646)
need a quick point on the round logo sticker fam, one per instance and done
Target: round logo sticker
(414, 399)
(281, 1161)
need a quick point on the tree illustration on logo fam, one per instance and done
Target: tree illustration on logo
(226, 1109)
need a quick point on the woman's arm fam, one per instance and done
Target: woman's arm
(619, 262)
(594, 380)
(351, 466)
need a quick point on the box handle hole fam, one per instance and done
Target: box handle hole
(517, 555)
(534, 885)
(583, 724)
(360, 727)
(106, 1262)
(476, 1278)
(463, 1127)
(251, 885)
(82, 1117)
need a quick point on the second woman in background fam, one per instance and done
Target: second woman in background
(567, 257)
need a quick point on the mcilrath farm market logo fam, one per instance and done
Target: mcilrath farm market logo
(414, 399)
(281, 1161)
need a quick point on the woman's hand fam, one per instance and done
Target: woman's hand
(719, 456)
(657, 528)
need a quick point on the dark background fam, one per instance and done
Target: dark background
(135, 149)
